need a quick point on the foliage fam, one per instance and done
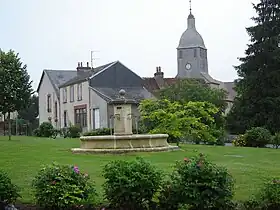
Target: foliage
(36, 132)
(268, 198)
(198, 183)
(9, 192)
(193, 120)
(106, 131)
(15, 84)
(239, 141)
(31, 112)
(45, 130)
(74, 131)
(131, 184)
(65, 132)
(186, 90)
(258, 92)
(62, 186)
(257, 137)
(99, 132)
(196, 90)
(275, 140)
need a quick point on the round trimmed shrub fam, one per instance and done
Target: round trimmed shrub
(45, 130)
(131, 185)
(62, 187)
(74, 131)
(198, 184)
(257, 137)
(9, 192)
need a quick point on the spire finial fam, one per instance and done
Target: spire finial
(190, 6)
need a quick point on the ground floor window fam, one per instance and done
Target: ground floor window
(81, 117)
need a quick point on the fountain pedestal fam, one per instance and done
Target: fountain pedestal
(123, 139)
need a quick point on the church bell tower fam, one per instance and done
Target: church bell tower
(191, 52)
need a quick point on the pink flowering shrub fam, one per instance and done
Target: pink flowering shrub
(62, 187)
(196, 183)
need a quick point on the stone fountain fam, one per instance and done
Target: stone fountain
(123, 140)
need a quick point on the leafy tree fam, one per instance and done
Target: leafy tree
(186, 90)
(31, 112)
(192, 120)
(15, 84)
(258, 90)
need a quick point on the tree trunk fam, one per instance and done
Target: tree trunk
(4, 124)
(9, 125)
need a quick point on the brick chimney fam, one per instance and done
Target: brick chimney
(159, 77)
(83, 68)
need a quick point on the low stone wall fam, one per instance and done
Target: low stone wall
(124, 142)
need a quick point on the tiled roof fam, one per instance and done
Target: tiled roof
(151, 84)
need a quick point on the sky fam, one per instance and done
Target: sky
(142, 34)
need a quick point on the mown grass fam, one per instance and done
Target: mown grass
(24, 156)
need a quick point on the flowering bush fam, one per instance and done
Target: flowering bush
(198, 184)
(131, 185)
(257, 137)
(239, 141)
(62, 186)
(267, 198)
(8, 191)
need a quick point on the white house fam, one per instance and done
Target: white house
(83, 96)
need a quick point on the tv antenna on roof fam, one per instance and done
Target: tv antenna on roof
(92, 58)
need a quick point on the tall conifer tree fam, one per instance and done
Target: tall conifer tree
(258, 89)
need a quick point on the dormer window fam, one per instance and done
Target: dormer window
(79, 92)
(64, 94)
(49, 103)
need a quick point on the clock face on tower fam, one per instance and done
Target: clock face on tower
(188, 66)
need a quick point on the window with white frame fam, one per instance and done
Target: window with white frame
(72, 93)
(64, 93)
(79, 92)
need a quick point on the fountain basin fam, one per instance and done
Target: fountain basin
(124, 143)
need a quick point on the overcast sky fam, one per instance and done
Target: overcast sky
(142, 34)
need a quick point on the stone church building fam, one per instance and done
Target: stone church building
(84, 96)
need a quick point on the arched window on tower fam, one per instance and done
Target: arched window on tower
(195, 52)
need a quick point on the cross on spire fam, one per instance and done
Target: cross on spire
(190, 6)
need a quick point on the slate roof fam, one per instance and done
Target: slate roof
(82, 76)
(135, 93)
(58, 77)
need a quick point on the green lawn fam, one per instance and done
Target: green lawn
(23, 156)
